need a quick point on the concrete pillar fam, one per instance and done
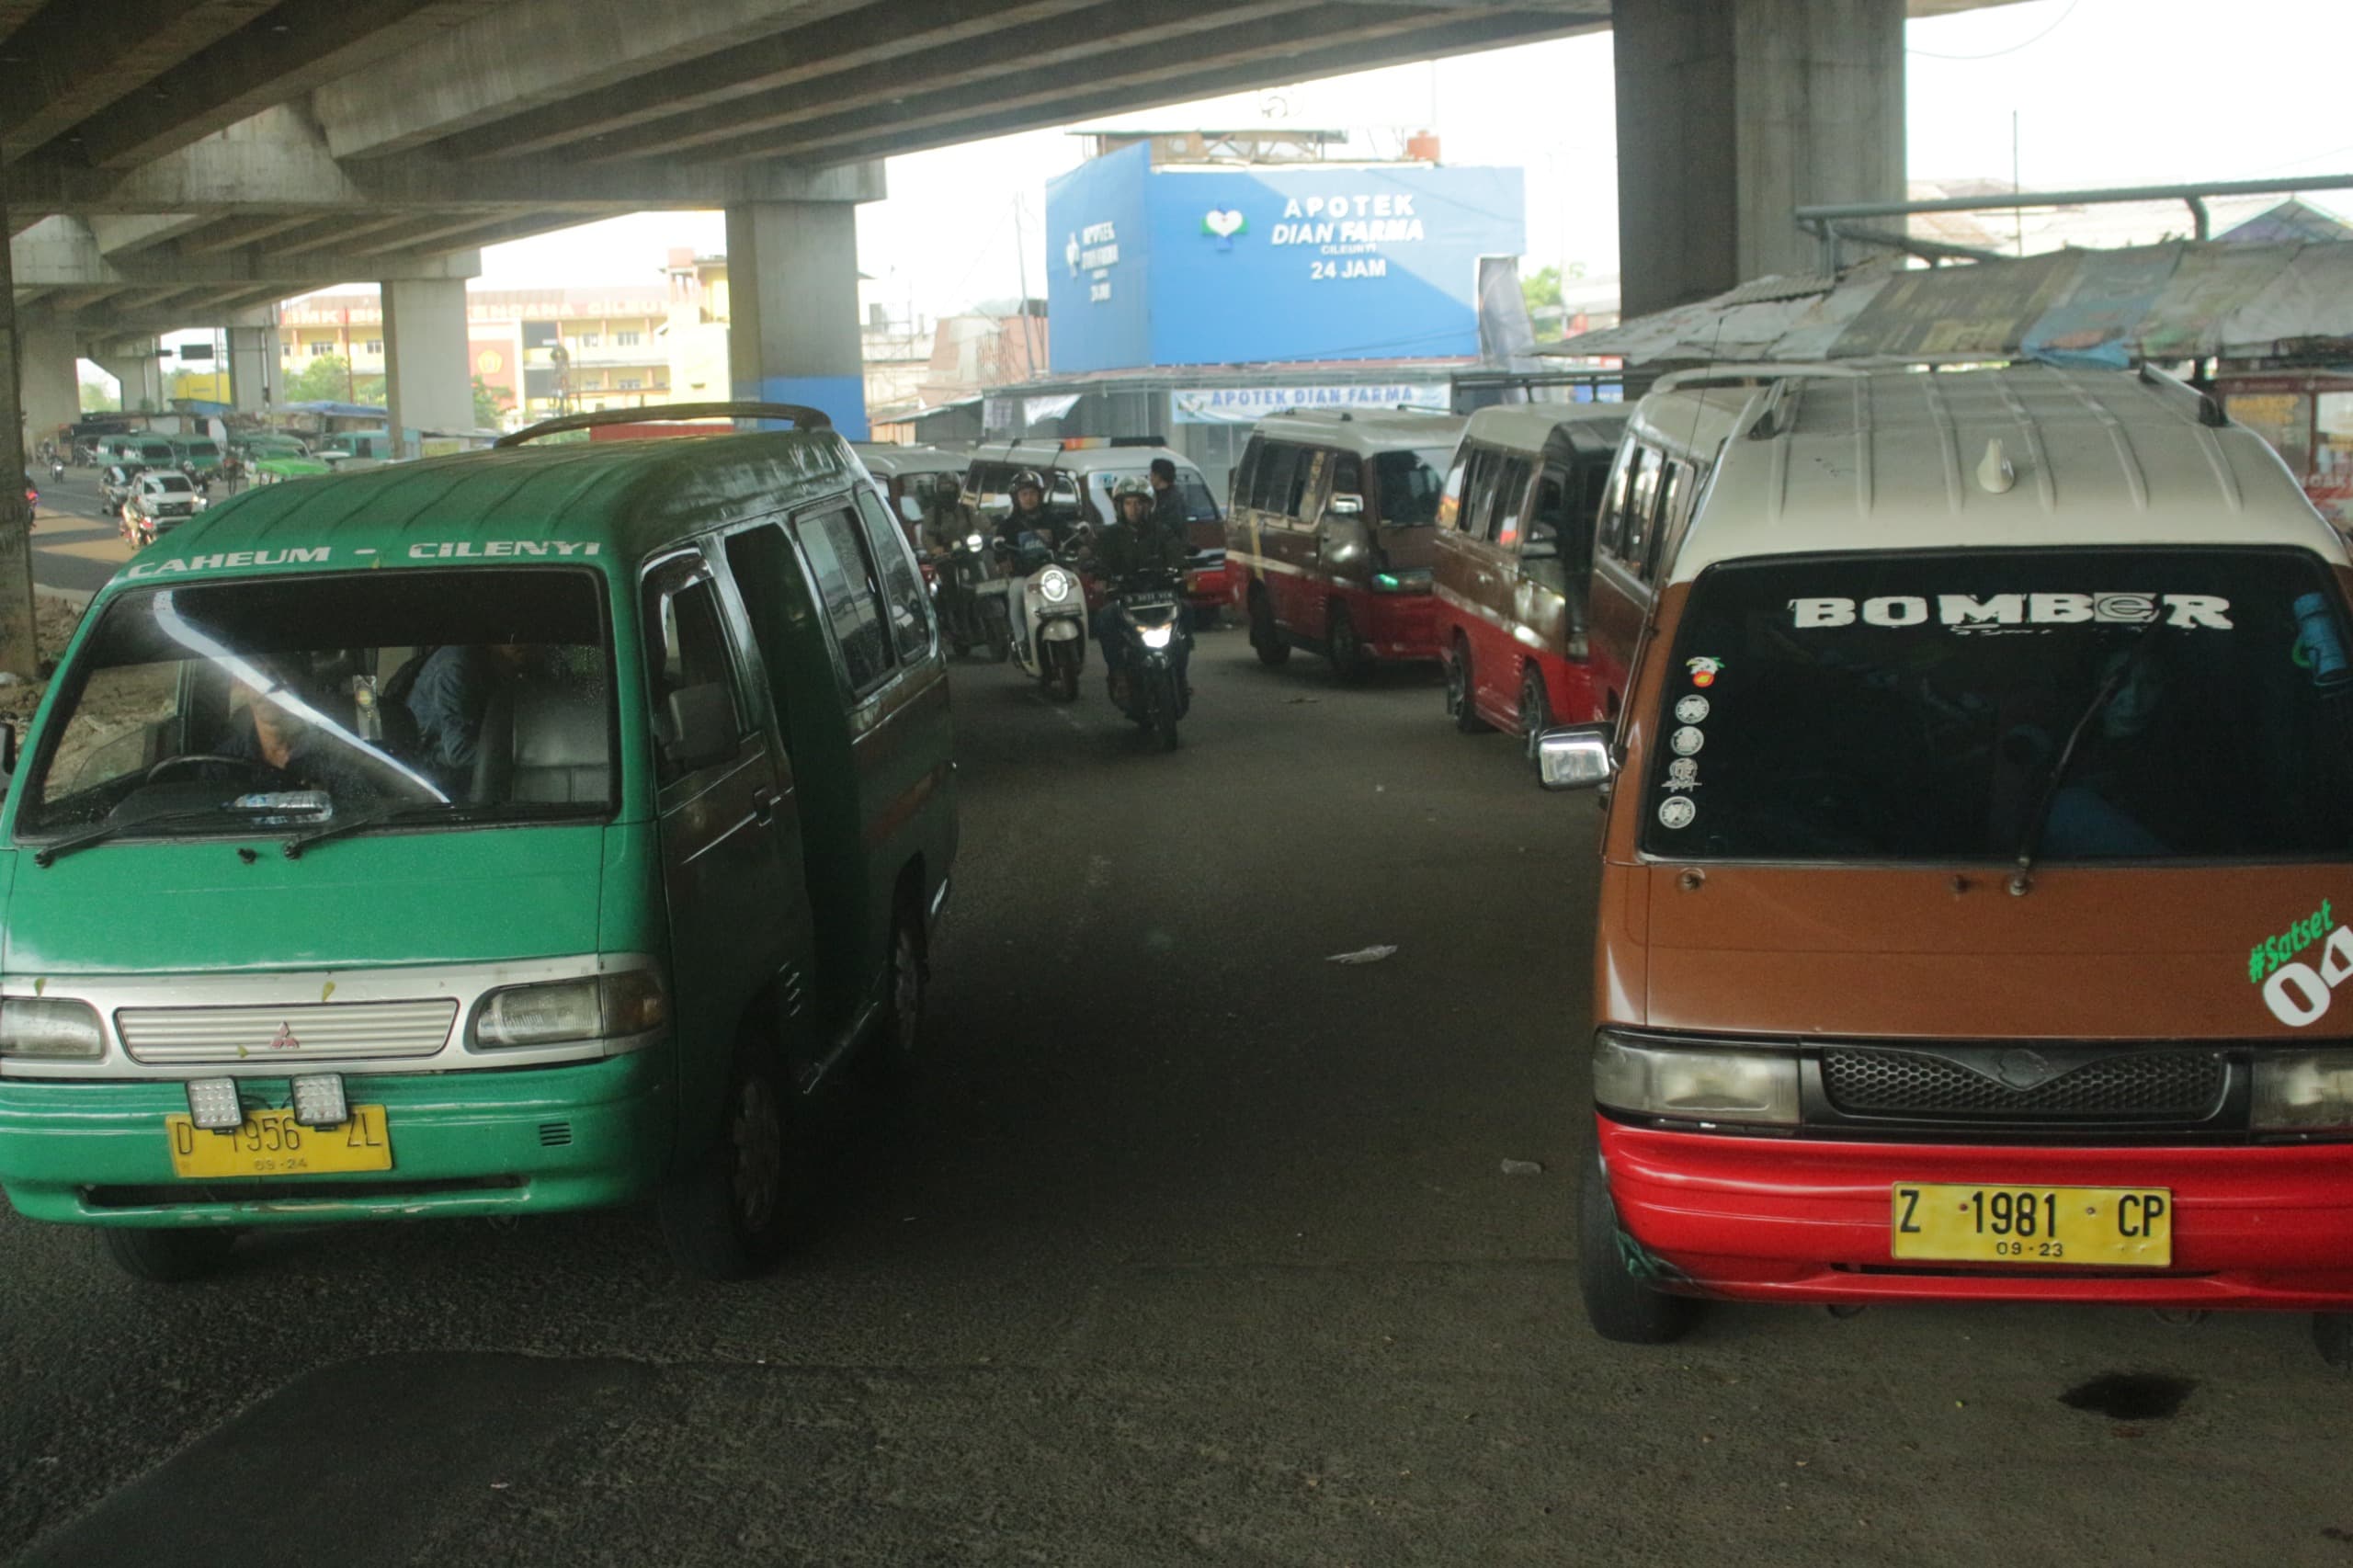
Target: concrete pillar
(52, 385)
(19, 646)
(792, 308)
(253, 369)
(135, 366)
(1732, 112)
(425, 369)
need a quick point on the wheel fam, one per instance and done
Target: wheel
(166, 1257)
(1265, 636)
(729, 1216)
(1535, 712)
(1350, 655)
(2333, 1337)
(1459, 705)
(1161, 700)
(1620, 1307)
(1064, 685)
(910, 979)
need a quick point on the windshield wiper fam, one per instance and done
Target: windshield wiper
(49, 854)
(361, 822)
(2030, 840)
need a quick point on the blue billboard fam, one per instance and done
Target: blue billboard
(1232, 266)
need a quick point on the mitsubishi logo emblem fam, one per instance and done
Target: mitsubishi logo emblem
(2025, 1069)
(284, 1040)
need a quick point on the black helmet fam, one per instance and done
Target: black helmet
(1027, 479)
(948, 487)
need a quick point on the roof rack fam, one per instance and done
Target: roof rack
(1761, 371)
(803, 417)
(2173, 389)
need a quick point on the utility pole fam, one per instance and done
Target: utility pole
(19, 647)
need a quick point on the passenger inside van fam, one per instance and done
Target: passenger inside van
(453, 691)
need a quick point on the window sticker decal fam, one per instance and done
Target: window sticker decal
(1676, 811)
(2318, 647)
(1687, 742)
(1683, 774)
(2297, 982)
(1704, 671)
(1967, 614)
(1691, 710)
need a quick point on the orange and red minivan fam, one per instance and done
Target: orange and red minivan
(1976, 866)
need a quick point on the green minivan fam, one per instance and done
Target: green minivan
(515, 832)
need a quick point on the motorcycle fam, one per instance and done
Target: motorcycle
(1149, 686)
(972, 601)
(57, 471)
(1045, 606)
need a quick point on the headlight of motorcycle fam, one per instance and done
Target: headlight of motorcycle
(1712, 1081)
(974, 541)
(595, 1007)
(1156, 636)
(1054, 584)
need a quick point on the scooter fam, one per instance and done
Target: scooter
(1045, 605)
(1149, 686)
(973, 601)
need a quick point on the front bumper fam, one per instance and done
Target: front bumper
(466, 1142)
(1800, 1219)
(1399, 625)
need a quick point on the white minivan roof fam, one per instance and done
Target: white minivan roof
(1365, 431)
(1529, 427)
(2024, 457)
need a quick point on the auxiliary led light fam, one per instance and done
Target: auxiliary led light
(319, 1102)
(212, 1104)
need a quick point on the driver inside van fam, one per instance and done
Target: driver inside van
(275, 729)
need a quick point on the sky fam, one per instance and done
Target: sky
(2104, 92)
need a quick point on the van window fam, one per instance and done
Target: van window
(1919, 706)
(1611, 529)
(1449, 500)
(1407, 486)
(1511, 502)
(760, 560)
(266, 684)
(686, 646)
(1245, 473)
(845, 587)
(902, 584)
(1642, 503)
(1550, 522)
(1277, 471)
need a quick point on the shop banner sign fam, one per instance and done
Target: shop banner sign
(1247, 406)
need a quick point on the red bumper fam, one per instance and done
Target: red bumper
(1766, 1219)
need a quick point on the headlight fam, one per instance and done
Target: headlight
(54, 1028)
(1054, 584)
(1156, 636)
(602, 1007)
(2303, 1091)
(200, 503)
(974, 541)
(1707, 1083)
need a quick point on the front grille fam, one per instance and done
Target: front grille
(2140, 1086)
(336, 1030)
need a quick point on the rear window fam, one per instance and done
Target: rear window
(2092, 705)
(1410, 485)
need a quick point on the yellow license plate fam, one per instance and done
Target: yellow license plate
(2117, 1227)
(272, 1143)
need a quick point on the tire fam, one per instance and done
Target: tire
(166, 1257)
(1063, 686)
(1622, 1308)
(1160, 701)
(1535, 711)
(910, 985)
(1459, 706)
(1348, 655)
(1265, 636)
(2333, 1337)
(998, 636)
(730, 1216)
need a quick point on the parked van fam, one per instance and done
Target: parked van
(498, 833)
(1969, 901)
(147, 451)
(201, 453)
(1329, 540)
(1515, 560)
(346, 446)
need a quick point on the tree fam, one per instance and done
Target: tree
(369, 389)
(96, 399)
(326, 378)
(1541, 289)
(489, 406)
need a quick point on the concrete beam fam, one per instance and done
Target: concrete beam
(870, 35)
(976, 70)
(236, 234)
(128, 236)
(277, 161)
(529, 53)
(1267, 60)
(336, 234)
(301, 45)
(63, 252)
(76, 64)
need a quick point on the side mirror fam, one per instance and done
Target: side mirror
(910, 508)
(1575, 757)
(1345, 506)
(701, 726)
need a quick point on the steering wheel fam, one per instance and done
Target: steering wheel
(266, 771)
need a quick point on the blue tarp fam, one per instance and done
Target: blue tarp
(340, 410)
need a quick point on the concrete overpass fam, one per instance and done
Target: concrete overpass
(181, 163)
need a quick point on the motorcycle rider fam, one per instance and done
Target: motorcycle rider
(1133, 549)
(1029, 515)
(943, 519)
(1169, 503)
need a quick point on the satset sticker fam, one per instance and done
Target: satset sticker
(2296, 989)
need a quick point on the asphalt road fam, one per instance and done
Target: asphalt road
(75, 546)
(1193, 1247)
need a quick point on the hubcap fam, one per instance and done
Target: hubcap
(1457, 685)
(757, 1134)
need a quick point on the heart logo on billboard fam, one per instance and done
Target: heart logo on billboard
(1224, 222)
